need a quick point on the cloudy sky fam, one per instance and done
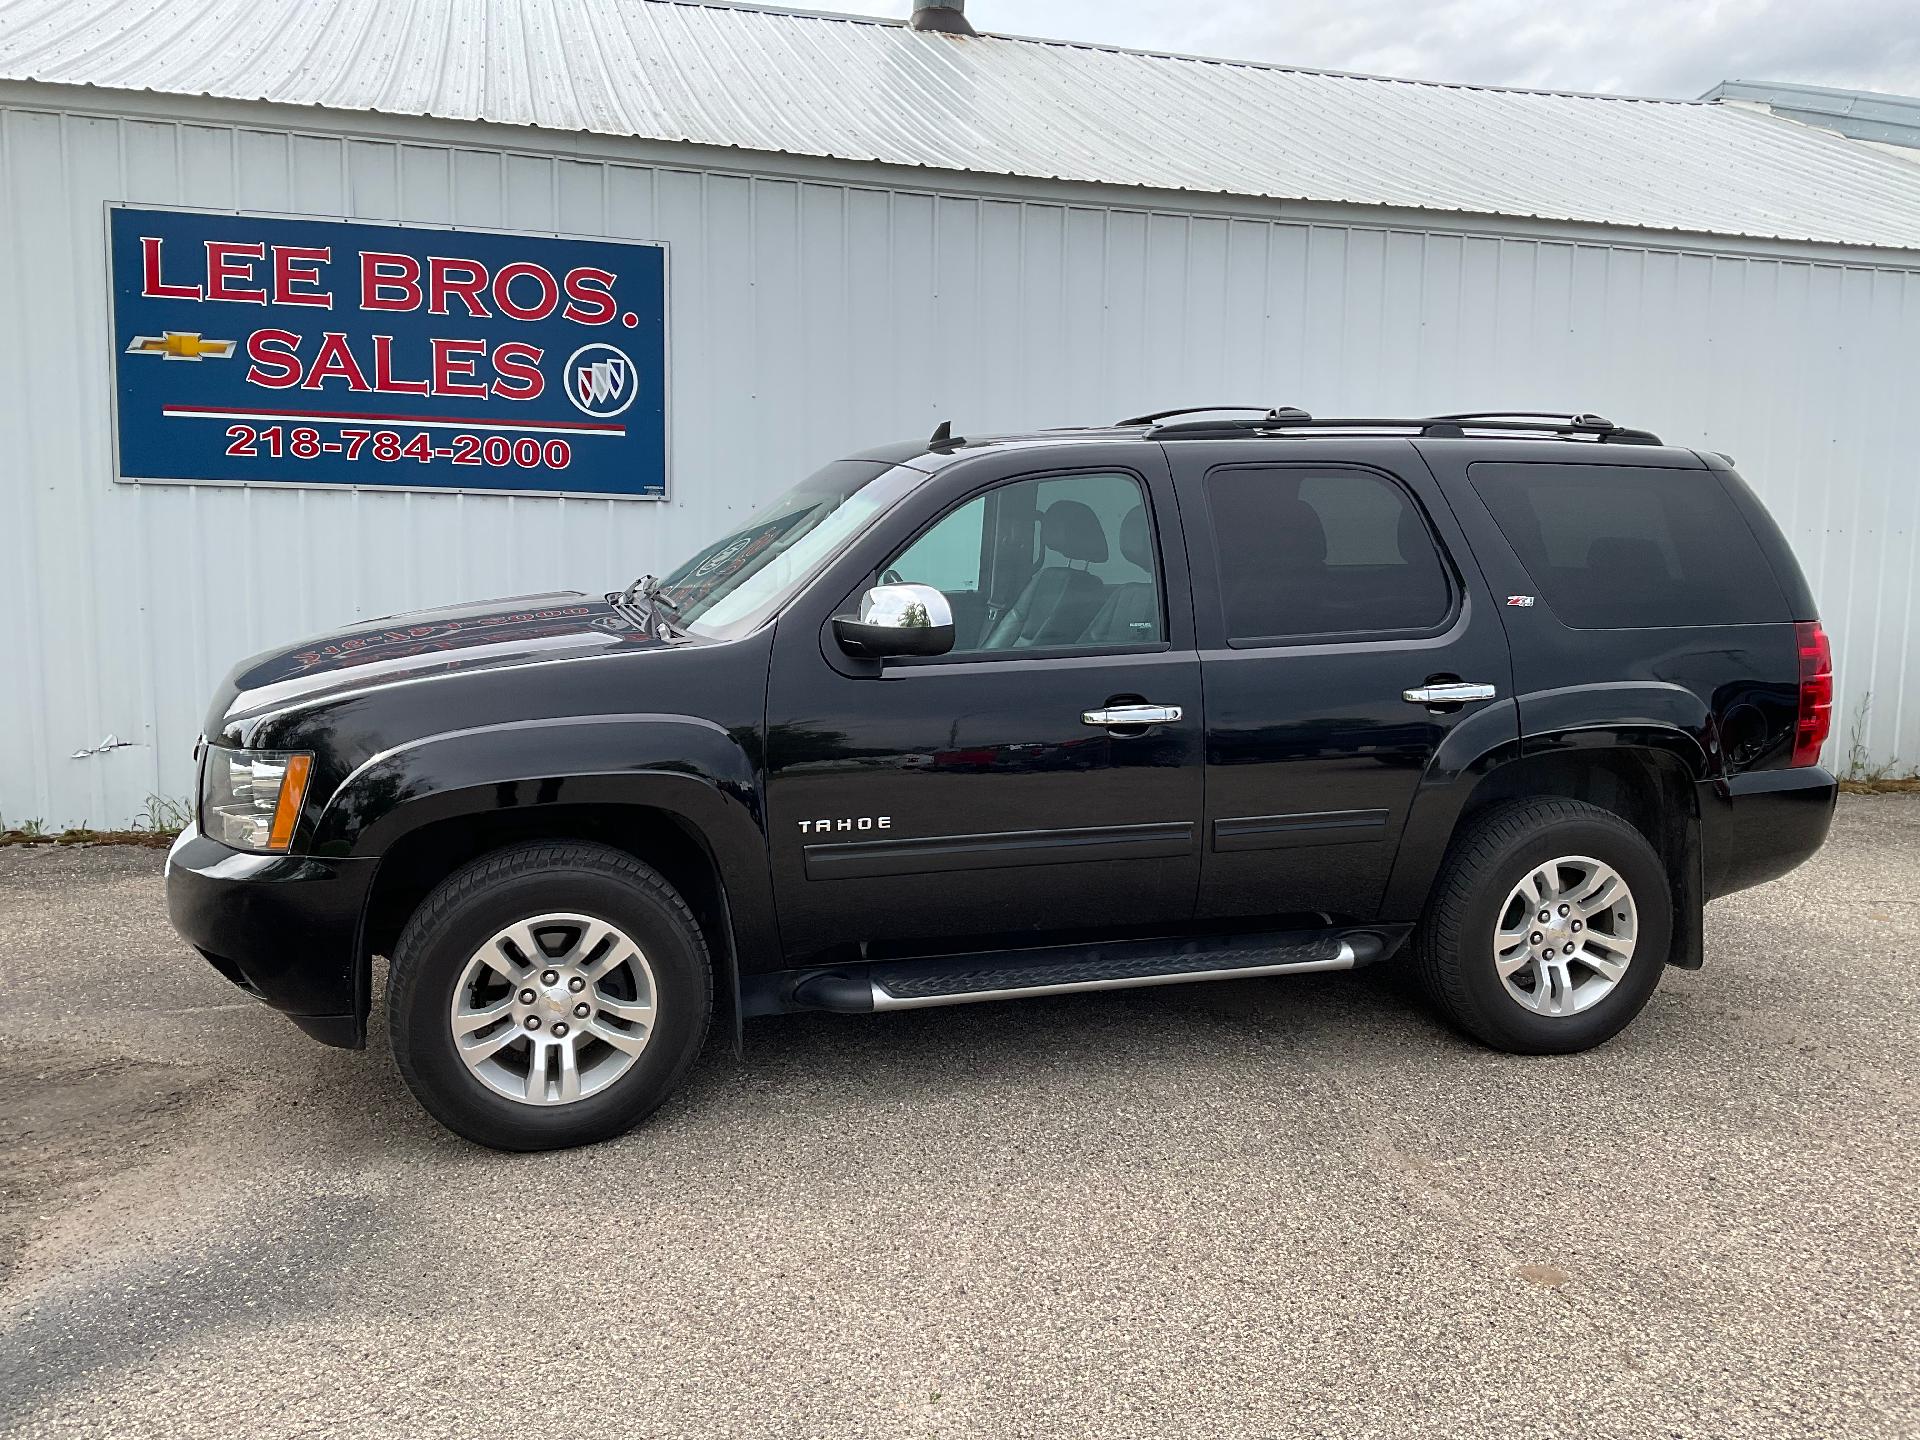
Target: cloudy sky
(1675, 48)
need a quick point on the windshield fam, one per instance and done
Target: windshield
(736, 583)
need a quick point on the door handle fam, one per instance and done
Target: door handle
(1451, 693)
(1132, 715)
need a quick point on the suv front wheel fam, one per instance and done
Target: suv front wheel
(1548, 927)
(548, 994)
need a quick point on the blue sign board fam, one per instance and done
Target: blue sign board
(264, 349)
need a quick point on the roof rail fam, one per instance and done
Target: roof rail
(1515, 424)
(1572, 422)
(1271, 411)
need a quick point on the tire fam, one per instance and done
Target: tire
(1459, 955)
(616, 941)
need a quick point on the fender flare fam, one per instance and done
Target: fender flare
(689, 768)
(1470, 755)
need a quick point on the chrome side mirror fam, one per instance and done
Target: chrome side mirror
(897, 620)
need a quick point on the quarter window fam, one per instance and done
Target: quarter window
(1065, 562)
(1618, 546)
(1307, 552)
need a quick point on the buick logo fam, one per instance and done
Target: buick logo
(601, 381)
(721, 556)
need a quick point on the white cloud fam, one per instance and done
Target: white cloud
(1677, 48)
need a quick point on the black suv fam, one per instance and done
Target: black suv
(1175, 699)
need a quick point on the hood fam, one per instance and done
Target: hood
(487, 635)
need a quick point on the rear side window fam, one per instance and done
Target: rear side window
(1308, 551)
(1621, 547)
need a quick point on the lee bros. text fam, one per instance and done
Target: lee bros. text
(255, 273)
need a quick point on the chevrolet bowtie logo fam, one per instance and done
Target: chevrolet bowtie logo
(181, 345)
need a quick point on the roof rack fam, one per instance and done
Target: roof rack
(1513, 423)
(1270, 411)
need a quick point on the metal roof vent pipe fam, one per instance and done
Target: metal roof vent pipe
(949, 16)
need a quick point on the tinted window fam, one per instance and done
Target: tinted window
(1061, 563)
(1612, 546)
(1322, 552)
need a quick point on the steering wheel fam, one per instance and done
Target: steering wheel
(891, 577)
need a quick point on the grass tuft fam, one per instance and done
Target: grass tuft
(159, 821)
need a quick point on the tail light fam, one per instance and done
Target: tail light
(1816, 692)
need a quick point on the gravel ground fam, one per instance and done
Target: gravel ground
(1261, 1208)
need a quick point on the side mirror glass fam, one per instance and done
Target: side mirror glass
(897, 620)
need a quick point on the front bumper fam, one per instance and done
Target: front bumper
(284, 928)
(1756, 827)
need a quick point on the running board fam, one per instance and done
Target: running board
(1068, 969)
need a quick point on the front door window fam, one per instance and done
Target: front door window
(1065, 562)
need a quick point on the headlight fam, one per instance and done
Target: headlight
(249, 799)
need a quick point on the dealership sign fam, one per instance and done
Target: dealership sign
(319, 352)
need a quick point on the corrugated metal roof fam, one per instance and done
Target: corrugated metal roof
(864, 89)
(1857, 114)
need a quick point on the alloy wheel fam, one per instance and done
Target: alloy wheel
(553, 1009)
(1565, 935)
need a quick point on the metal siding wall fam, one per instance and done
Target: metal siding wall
(809, 319)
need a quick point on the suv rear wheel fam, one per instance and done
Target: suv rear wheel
(1548, 928)
(549, 994)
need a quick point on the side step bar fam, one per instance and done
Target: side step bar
(1067, 969)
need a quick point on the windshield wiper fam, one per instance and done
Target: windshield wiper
(646, 588)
